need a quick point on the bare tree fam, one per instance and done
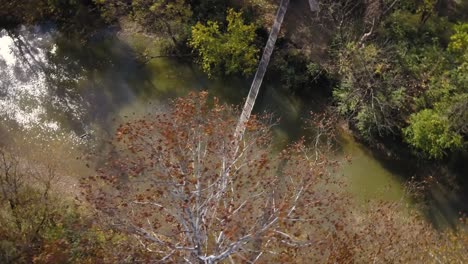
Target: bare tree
(324, 128)
(170, 182)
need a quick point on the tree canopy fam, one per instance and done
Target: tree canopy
(231, 50)
(173, 183)
(431, 133)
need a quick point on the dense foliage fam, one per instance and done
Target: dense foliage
(372, 90)
(405, 76)
(431, 133)
(231, 51)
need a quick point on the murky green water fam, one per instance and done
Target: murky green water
(57, 94)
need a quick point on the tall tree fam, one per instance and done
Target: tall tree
(170, 181)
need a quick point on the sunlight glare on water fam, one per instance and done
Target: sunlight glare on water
(24, 93)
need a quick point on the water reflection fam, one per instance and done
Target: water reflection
(23, 81)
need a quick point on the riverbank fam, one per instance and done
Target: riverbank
(431, 185)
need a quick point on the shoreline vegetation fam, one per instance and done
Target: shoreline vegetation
(392, 74)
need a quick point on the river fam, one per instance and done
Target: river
(59, 93)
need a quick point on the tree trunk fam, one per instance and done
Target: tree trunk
(169, 31)
(257, 81)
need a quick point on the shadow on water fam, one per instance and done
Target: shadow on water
(446, 195)
(448, 199)
(103, 74)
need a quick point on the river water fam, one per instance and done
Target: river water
(59, 93)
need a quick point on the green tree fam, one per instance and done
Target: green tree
(371, 93)
(459, 41)
(430, 132)
(442, 121)
(231, 51)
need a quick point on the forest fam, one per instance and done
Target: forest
(128, 132)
